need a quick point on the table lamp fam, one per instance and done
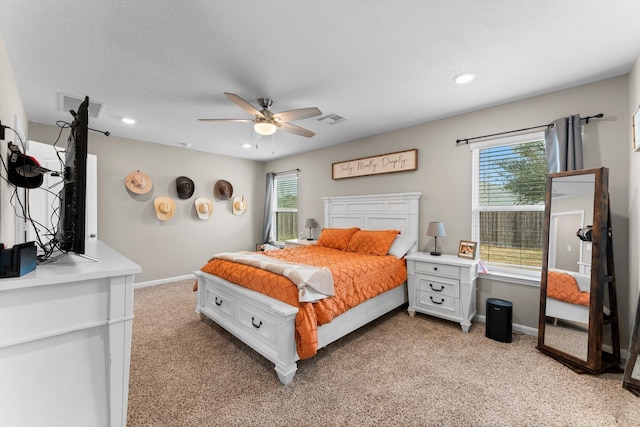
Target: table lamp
(436, 229)
(310, 223)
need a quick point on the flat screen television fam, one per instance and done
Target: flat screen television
(70, 233)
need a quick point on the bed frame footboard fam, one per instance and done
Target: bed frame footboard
(263, 323)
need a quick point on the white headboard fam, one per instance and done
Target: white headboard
(396, 211)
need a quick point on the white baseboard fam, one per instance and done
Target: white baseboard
(534, 332)
(163, 281)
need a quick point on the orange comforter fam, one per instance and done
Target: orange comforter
(563, 287)
(356, 277)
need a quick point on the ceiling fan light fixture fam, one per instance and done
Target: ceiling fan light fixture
(265, 128)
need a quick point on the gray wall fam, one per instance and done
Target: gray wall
(128, 223)
(634, 197)
(11, 110)
(444, 173)
(176, 248)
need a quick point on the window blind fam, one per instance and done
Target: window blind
(508, 201)
(286, 209)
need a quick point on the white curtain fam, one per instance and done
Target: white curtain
(563, 140)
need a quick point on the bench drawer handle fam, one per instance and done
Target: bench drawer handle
(253, 322)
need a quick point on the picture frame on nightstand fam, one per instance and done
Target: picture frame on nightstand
(467, 249)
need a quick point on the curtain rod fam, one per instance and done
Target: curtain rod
(292, 170)
(466, 140)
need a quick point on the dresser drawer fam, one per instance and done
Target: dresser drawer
(219, 302)
(438, 285)
(257, 322)
(439, 269)
(438, 303)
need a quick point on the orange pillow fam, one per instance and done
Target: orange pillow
(336, 238)
(372, 242)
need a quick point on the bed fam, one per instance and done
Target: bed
(568, 296)
(268, 325)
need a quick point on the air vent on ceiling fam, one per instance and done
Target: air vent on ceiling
(68, 102)
(331, 119)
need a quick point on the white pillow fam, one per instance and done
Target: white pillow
(401, 245)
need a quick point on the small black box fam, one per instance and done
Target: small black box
(19, 260)
(499, 317)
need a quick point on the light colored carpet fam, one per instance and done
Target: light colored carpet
(395, 371)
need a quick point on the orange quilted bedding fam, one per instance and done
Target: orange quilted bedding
(563, 287)
(357, 277)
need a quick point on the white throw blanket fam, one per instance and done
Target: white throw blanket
(313, 283)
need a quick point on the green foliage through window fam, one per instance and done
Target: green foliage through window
(286, 209)
(508, 206)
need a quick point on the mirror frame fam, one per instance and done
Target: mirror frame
(630, 383)
(601, 272)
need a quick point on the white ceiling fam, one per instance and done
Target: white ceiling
(381, 64)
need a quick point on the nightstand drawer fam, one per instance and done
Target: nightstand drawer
(439, 303)
(439, 269)
(438, 285)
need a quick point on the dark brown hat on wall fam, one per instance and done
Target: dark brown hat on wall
(223, 190)
(185, 187)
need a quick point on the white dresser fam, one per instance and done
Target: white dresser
(442, 286)
(65, 341)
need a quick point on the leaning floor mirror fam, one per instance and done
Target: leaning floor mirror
(631, 379)
(578, 319)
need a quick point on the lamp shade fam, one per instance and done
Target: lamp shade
(436, 229)
(310, 223)
(265, 128)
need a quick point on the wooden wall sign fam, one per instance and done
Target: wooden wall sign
(400, 161)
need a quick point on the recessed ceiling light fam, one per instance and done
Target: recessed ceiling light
(464, 78)
(246, 145)
(128, 121)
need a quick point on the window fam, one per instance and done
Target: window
(509, 185)
(285, 207)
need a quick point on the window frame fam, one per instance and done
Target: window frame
(508, 271)
(275, 209)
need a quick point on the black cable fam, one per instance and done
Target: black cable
(23, 211)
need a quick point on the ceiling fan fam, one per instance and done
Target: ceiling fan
(265, 122)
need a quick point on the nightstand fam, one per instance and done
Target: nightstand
(299, 242)
(442, 286)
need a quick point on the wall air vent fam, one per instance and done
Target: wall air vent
(331, 119)
(68, 102)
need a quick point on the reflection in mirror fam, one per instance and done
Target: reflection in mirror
(569, 265)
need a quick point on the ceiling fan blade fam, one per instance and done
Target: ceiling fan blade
(244, 105)
(299, 114)
(296, 129)
(226, 120)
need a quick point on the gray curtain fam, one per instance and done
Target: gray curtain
(563, 140)
(268, 213)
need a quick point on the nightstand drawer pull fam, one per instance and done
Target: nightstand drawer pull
(435, 268)
(436, 302)
(218, 302)
(436, 290)
(254, 323)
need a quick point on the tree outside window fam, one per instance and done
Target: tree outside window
(508, 207)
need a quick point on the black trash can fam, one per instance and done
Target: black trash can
(499, 317)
